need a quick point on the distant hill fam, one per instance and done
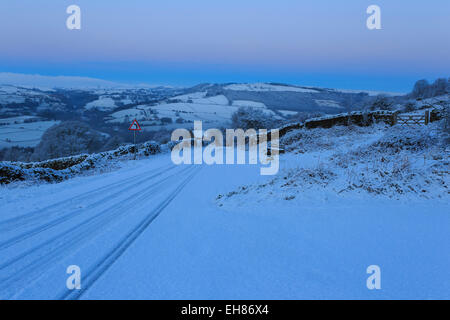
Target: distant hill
(62, 82)
(109, 107)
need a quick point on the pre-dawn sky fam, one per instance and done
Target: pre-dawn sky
(314, 42)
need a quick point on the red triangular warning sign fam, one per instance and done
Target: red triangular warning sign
(135, 126)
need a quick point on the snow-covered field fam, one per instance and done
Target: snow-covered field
(261, 87)
(22, 134)
(372, 92)
(213, 111)
(152, 230)
(12, 94)
(329, 103)
(102, 104)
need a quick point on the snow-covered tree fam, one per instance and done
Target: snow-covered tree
(113, 143)
(439, 87)
(251, 118)
(381, 103)
(420, 89)
(16, 154)
(68, 139)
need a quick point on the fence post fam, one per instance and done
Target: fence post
(427, 117)
(394, 119)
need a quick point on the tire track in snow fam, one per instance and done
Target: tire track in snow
(64, 243)
(22, 220)
(111, 257)
(73, 214)
(112, 209)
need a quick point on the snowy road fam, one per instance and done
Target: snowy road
(152, 230)
(120, 209)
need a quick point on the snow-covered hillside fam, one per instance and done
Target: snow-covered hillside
(214, 104)
(110, 108)
(185, 109)
(16, 132)
(102, 104)
(261, 87)
(48, 82)
(17, 100)
(380, 161)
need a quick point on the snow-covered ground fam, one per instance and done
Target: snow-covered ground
(264, 87)
(152, 230)
(102, 104)
(12, 94)
(214, 111)
(261, 87)
(372, 92)
(22, 134)
(329, 103)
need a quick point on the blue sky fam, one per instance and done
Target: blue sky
(321, 42)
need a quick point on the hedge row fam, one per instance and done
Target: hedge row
(57, 170)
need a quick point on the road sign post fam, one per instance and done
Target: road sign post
(135, 127)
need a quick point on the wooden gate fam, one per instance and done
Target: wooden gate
(413, 119)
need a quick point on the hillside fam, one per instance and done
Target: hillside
(29, 104)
